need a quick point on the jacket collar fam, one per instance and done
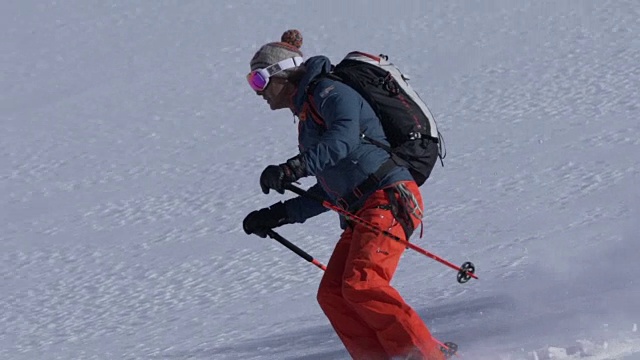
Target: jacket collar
(315, 67)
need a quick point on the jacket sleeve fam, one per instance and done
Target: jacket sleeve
(340, 108)
(299, 209)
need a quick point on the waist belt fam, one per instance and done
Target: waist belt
(368, 186)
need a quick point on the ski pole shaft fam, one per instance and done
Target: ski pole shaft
(289, 245)
(371, 226)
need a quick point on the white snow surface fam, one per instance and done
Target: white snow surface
(131, 148)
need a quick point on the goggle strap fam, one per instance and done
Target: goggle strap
(284, 65)
(275, 68)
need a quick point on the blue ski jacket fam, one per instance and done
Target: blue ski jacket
(333, 150)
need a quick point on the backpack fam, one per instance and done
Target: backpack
(408, 124)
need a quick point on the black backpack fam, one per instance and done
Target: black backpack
(408, 124)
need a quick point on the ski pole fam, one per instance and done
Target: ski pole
(465, 272)
(277, 237)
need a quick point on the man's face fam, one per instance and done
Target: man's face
(276, 93)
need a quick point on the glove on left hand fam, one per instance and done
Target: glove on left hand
(260, 221)
(277, 176)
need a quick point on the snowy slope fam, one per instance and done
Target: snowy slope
(131, 148)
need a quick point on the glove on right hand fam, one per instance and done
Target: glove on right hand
(260, 221)
(276, 177)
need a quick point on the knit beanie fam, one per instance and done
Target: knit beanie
(274, 52)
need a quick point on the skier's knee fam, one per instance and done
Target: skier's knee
(354, 294)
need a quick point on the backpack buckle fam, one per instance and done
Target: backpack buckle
(415, 135)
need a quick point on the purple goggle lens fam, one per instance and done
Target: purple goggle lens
(259, 79)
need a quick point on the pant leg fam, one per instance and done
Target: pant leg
(370, 266)
(357, 336)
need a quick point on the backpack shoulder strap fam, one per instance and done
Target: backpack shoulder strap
(311, 88)
(310, 103)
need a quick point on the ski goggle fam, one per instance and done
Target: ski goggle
(259, 79)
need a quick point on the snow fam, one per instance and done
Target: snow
(131, 148)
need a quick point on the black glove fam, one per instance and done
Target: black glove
(260, 221)
(277, 176)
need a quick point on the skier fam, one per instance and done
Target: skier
(367, 313)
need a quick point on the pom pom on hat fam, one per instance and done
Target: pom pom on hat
(292, 37)
(274, 52)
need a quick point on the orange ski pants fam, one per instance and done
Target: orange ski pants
(367, 313)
